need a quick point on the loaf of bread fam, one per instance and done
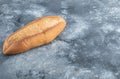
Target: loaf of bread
(34, 34)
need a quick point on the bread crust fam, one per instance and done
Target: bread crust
(34, 34)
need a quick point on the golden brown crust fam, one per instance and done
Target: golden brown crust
(34, 34)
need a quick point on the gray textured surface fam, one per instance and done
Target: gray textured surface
(88, 48)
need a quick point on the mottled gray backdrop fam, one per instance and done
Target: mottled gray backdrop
(88, 48)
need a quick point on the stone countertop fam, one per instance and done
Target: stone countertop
(88, 48)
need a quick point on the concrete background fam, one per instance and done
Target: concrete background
(88, 48)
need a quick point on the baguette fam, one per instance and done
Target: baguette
(36, 33)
